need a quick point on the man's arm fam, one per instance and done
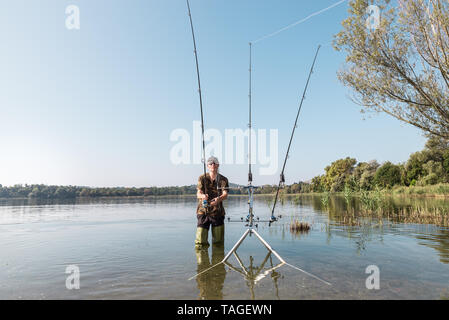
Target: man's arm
(200, 195)
(224, 195)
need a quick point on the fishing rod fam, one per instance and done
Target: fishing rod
(205, 203)
(250, 187)
(282, 177)
(250, 217)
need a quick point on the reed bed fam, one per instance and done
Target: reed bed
(297, 226)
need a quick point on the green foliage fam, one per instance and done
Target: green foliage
(446, 162)
(401, 67)
(294, 188)
(388, 175)
(348, 191)
(427, 167)
(363, 175)
(70, 192)
(325, 199)
(318, 184)
(414, 167)
(434, 190)
(371, 200)
(338, 173)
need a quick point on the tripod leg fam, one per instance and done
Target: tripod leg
(237, 244)
(268, 246)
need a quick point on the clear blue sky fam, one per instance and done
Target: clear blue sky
(96, 106)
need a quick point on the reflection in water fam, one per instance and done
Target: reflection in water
(210, 284)
(421, 218)
(439, 242)
(395, 209)
(175, 200)
(253, 274)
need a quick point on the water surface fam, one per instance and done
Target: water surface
(143, 249)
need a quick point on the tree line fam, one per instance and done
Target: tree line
(427, 167)
(41, 191)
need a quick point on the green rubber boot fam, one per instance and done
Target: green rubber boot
(218, 234)
(201, 238)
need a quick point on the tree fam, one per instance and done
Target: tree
(414, 168)
(402, 66)
(338, 173)
(434, 172)
(446, 162)
(85, 192)
(35, 193)
(429, 166)
(61, 193)
(295, 188)
(388, 175)
(318, 184)
(363, 175)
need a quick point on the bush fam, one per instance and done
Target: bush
(388, 175)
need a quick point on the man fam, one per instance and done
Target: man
(212, 187)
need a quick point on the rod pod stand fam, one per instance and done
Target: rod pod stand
(250, 231)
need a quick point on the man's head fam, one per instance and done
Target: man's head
(213, 164)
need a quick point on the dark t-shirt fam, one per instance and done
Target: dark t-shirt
(213, 192)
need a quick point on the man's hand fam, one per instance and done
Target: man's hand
(215, 201)
(203, 196)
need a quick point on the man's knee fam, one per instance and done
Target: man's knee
(203, 222)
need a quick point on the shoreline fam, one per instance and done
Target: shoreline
(341, 194)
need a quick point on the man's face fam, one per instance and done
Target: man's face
(213, 166)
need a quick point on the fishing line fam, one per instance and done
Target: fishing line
(298, 22)
(308, 273)
(282, 178)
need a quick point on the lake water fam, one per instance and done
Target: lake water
(143, 249)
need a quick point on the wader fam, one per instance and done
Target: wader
(202, 231)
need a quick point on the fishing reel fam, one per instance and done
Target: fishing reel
(274, 219)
